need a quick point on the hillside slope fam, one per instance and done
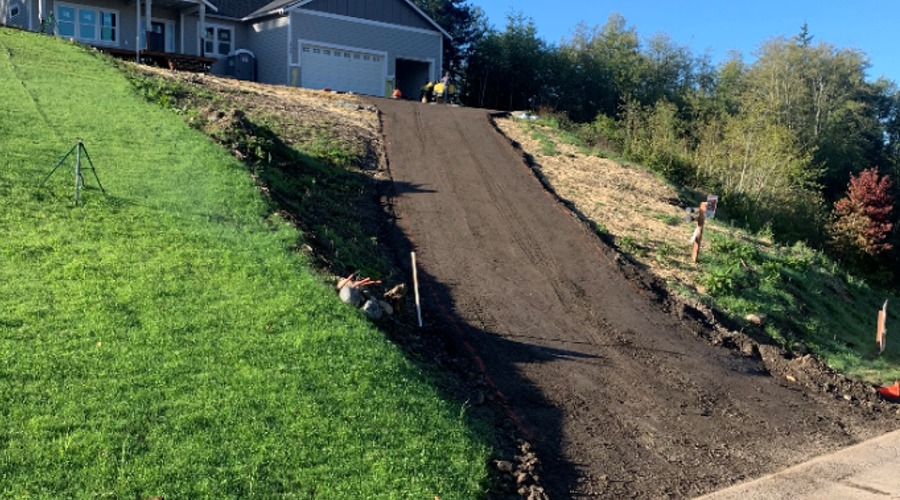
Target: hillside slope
(619, 384)
(166, 338)
(794, 295)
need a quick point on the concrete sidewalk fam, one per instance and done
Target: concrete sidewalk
(869, 470)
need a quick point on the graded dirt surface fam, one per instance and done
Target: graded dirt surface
(620, 387)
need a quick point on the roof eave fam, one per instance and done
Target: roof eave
(209, 5)
(289, 6)
(430, 20)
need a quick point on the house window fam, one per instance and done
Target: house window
(107, 26)
(14, 11)
(65, 21)
(87, 23)
(218, 40)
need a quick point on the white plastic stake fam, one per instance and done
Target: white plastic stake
(416, 288)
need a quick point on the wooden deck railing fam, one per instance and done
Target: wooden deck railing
(171, 60)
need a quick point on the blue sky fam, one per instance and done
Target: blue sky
(872, 26)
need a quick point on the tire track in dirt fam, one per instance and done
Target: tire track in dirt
(625, 399)
(528, 243)
(531, 244)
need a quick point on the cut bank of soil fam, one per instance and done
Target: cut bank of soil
(624, 390)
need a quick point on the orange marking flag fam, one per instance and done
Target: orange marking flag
(892, 391)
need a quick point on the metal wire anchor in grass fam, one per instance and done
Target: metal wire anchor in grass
(78, 148)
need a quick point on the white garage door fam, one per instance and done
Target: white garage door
(342, 69)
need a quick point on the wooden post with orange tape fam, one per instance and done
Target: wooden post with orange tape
(881, 334)
(697, 238)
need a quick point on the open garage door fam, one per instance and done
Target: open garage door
(348, 70)
(412, 76)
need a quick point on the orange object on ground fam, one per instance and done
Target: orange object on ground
(892, 391)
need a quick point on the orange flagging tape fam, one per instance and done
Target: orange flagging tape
(892, 391)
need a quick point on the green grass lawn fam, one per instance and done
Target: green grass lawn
(807, 300)
(164, 339)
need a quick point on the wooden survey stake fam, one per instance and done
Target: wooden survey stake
(697, 238)
(881, 336)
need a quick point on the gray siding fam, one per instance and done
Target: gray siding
(192, 33)
(398, 43)
(386, 11)
(26, 16)
(239, 41)
(127, 22)
(269, 43)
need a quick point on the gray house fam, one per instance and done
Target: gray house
(362, 46)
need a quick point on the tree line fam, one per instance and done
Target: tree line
(799, 142)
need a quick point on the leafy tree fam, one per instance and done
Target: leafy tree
(819, 94)
(862, 225)
(602, 69)
(619, 45)
(668, 72)
(886, 99)
(509, 69)
(585, 81)
(465, 23)
(761, 172)
(654, 136)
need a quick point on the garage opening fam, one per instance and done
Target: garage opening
(411, 76)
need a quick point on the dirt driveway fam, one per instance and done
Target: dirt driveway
(623, 396)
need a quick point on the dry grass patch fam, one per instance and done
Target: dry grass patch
(306, 104)
(642, 212)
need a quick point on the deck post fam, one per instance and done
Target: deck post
(148, 4)
(137, 32)
(201, 49)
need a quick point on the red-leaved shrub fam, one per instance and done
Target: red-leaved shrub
(861, 225)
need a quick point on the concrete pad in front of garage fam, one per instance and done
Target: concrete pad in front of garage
(869, 470)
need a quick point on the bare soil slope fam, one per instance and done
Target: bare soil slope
(620, 387)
